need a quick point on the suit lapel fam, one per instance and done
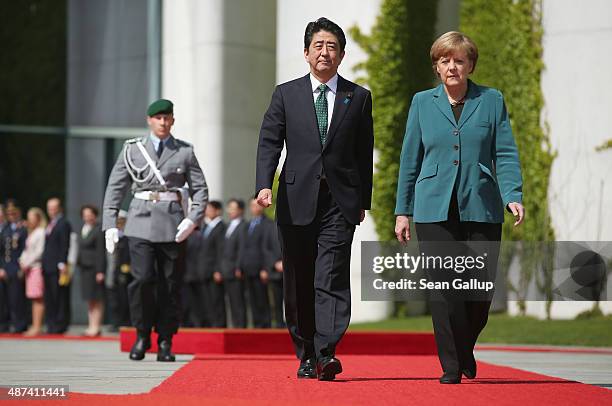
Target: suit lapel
(307, 100)
(169, 149)
(340, 108)
(472, 100)
(441, 101)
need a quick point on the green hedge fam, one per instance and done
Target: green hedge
(397, 67)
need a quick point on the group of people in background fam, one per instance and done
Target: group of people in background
(235, 264)
(230, 267)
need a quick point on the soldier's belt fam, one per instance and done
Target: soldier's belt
(157, 196)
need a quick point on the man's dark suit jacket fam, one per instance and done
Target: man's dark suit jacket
(57, 244)
(346, 157)
(255, 254)
(212, 250)
(231, 250)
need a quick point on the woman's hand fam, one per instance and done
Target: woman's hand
(402, 229)
(517, 210)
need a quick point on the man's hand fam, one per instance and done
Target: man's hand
(218, 277)
(278, 266)
(2, 274)
(112, 238)
(99, 277)
(402, 229)
(263, 275)
(361, 215)
(264, 198)
(518, 210)
(184, 230)
(238, 273)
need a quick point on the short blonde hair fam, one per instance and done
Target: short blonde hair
(42, 219)
(451, 42)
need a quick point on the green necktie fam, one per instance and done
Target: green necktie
(321, 110)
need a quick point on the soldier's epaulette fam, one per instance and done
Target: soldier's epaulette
(183, 143)
(132, 140)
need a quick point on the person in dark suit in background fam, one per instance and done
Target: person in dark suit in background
(194, 299)
(12, 278)
(91, 261)
(255, 264)
(233, 277)
(213, 237)
(119, 302)
(325, 187)
(55, 269)
(276, 278)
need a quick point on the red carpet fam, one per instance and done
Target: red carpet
(278, 342)
(367, 380)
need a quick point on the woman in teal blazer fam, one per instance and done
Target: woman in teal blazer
(459, 169)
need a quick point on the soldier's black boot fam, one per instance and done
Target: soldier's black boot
(164, 350)
(140, 347)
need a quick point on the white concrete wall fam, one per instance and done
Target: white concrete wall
(292, 17)
(218, 67)
(577, 89)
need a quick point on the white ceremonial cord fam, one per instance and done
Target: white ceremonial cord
(156, 171)
(131, 168)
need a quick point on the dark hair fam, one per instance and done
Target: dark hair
(239, 202)
(215, 204)
(323, 24)
(91, 207)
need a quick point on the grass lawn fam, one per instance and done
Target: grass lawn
(504, 329)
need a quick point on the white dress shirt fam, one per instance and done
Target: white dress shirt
(332, 85)
(232, 226)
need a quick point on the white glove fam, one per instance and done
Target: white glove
(112, 238)
(184, 230)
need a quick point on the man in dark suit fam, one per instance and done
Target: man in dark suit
(211, 253)
(55, 269)
(194, 299)
(255, 264)
(232, 275)
(325, 186)
(276, 278)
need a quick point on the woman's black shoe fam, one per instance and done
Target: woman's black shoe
(450, 378)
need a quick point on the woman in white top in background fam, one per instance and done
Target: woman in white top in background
(29, 261)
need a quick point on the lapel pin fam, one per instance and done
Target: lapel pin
(348, 98)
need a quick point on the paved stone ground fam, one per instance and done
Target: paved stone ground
(85, 366)
(594, 369)
(99, 366)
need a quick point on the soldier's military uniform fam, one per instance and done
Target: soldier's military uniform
(157, 261)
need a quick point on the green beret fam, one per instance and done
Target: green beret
(161, 106)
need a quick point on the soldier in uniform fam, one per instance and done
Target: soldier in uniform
(12, 278)
(156, 167)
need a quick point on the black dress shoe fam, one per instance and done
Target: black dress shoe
(307, 369)
(139, 348)
(469, 373)
(164, 351)
(450, 378)
(327, 368)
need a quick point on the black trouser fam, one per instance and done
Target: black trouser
(154, 293)
(216, 297)
(316, 272)
(57, 303)
(13, 304)
(197, 313)
(235, 292)
(458, 320)
(119, 304)
(276, 286)
(258, 300)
